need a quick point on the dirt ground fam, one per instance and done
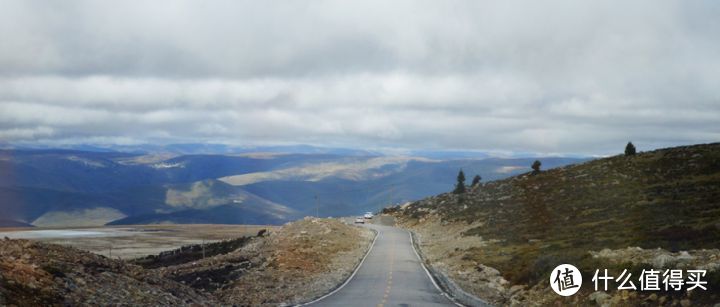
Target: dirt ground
(295, 263)
(127, 242)
(285, 265)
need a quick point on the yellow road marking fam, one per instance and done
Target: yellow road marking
(390, 273)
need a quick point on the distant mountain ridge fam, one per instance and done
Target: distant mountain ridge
(50, 187)
(178, 149)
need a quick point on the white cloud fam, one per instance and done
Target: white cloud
(25, 133)
(558, 76)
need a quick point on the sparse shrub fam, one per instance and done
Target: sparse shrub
(460, 185)
(630, 149)
(418, 214)
(476, 180)
(261, 232)
(536, 167)
(390, 210)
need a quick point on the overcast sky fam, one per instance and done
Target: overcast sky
(531, 76)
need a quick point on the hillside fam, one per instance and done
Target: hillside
(39, 274)
(655, 209)
(73, 188)
(288, 265)
(415, 179)
(13, 223)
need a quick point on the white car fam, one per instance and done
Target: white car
(368, 215)
(359, 220)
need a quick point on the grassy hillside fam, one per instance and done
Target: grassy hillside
(667, 199)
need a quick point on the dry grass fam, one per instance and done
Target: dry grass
(299, 261)
(667, 199)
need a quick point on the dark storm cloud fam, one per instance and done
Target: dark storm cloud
(552, 77)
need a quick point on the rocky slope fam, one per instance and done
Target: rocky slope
(35, 274)
(500, 240)
(300, 261)
(295, 263)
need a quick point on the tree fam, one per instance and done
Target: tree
(630, 149)
(536, 166)
(476, 180)
(460, 186)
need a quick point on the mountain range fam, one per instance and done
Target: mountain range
(220, 184)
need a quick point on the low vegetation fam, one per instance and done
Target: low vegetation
(526, 225)
(288, 265)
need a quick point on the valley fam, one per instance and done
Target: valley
(497, 241)
(60, 188)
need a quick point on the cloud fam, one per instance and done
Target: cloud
(557, 76)
(25, 133)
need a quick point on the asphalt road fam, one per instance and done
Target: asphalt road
(390, 276)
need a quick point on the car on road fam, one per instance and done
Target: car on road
(368, 215)
(360, 220)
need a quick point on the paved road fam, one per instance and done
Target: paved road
(390, 276)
